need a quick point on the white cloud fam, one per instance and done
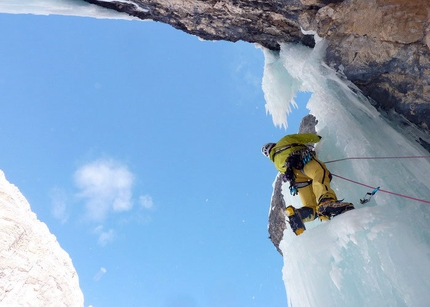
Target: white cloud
(106, 185)
(146, 202)
(105, 237)
(59, 204)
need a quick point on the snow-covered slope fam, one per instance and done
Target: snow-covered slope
(379, 254)
(34, 269)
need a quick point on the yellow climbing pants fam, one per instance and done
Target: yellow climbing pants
(319, 189)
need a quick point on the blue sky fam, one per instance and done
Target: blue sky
(139, 146)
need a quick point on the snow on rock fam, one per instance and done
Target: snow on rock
(34, 269)
(60, 7)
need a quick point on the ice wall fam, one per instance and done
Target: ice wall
(379, 254)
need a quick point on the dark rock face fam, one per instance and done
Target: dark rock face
(277, 221)
(256, 21)
(382, 46)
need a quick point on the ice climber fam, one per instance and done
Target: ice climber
(308, 177)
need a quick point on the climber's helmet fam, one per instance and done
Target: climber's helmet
(267, 148)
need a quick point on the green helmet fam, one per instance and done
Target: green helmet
(267, 148)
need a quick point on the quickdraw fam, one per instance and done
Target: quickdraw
(293, 190)
(368, 196)
(306, 156)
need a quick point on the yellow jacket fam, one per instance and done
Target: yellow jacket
(287, 145)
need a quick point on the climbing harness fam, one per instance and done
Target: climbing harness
(297, 159)
(297, 185)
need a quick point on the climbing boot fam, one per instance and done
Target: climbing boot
(307, 214)
(295, 220)
(330, 208)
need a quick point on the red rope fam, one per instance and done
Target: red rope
(385, 191)
(376, 158)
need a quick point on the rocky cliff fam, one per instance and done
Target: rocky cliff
(382, 46)
(34, 269)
